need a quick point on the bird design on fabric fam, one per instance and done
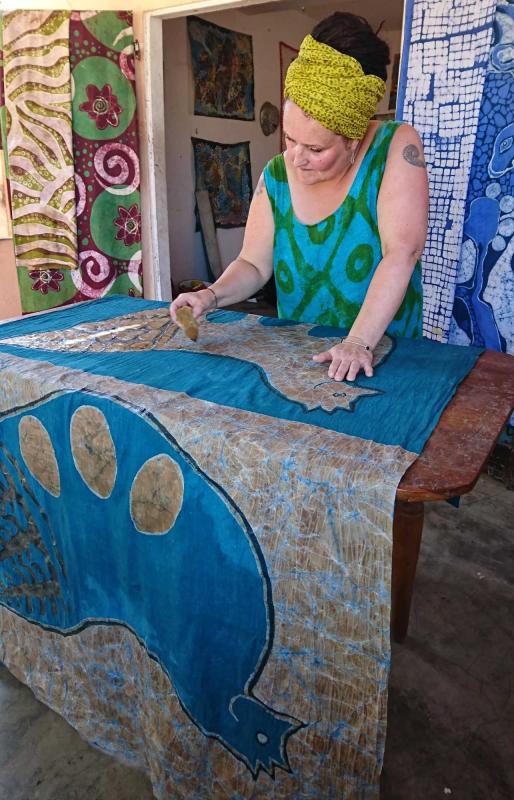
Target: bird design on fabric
(287, 365)
(159, 548)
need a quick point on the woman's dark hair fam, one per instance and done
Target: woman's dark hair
(354, 36)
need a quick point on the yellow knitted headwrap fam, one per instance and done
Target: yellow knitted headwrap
(333, 89)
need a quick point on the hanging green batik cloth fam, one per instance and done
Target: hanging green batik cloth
(37, 130)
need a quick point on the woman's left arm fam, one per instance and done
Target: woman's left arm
(402, 222)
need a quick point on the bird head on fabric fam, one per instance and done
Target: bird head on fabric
(259, 734)
(331, 87)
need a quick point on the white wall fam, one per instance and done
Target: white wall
(186, 251)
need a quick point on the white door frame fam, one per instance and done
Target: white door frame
(153, 164)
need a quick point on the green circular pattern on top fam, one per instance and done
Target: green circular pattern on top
(284, 277)
(103, 228)
(100, 71)
(106, 26)
(360, 262)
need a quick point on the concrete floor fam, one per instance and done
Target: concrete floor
(451, 702)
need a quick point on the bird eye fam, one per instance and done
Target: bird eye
(262, 738)
(506, 145)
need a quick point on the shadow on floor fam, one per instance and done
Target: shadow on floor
(451, 701)
(451, 705)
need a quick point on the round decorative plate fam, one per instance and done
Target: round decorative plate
(269, 118)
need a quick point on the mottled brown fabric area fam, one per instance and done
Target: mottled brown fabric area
(93, 450)
(156, 495)
(38, 453)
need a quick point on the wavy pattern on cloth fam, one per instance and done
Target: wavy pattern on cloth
(3, 136)
(221, 609)
(37, 93)
(483, 309)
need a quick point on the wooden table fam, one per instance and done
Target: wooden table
(449, 465)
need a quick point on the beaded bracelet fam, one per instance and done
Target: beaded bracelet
(356, 340)
(215, 296)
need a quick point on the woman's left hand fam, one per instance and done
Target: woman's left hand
(346, 361)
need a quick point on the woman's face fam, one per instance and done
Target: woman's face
(316, 153)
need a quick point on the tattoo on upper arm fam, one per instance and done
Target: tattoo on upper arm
(413, 156)
(260, 186)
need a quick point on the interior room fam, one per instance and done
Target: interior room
(256, 524)
(276, 30)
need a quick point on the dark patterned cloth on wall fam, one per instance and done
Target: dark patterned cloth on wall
(484, 294)
(222, 69)
(105, 147)
(224, 170)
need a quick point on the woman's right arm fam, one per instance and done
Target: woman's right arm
(249, 271)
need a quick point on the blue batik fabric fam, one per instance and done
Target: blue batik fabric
(483, 308)
(196, 540)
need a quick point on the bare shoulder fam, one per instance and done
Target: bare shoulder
(259, 189)
(406, 146)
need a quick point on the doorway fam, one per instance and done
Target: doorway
(276, 29)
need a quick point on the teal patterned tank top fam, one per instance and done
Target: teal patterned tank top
(323, 271)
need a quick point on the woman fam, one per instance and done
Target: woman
(340, 218)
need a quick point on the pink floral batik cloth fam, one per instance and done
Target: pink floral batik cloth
(105, 149)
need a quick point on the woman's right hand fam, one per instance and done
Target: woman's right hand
(199, 302)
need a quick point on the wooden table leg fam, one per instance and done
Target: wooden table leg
(407, 530)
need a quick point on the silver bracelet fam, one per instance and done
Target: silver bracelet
(215, 296)
(356, 341)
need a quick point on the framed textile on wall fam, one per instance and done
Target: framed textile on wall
(222, 63)
(286, 55)
(224, 170)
